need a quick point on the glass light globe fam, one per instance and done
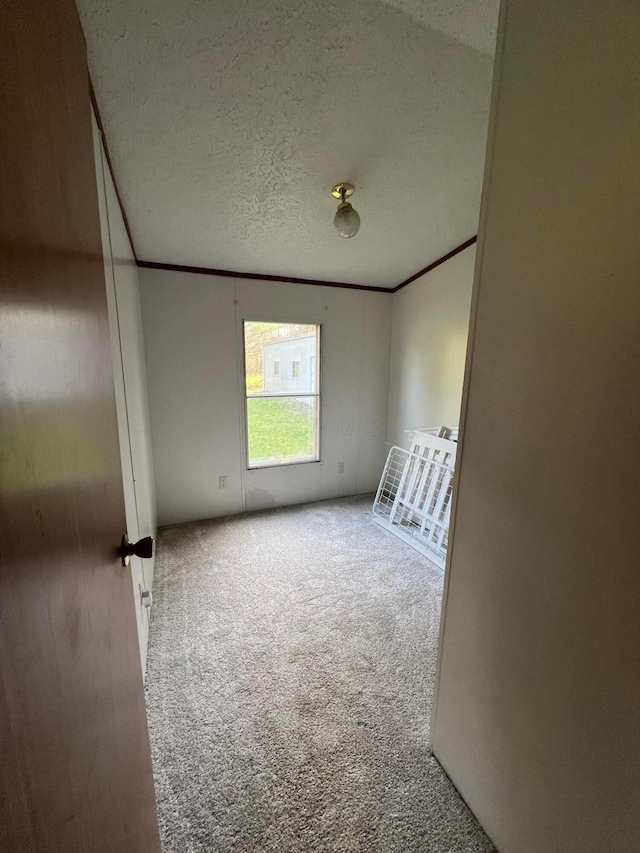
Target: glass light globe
(347, 220)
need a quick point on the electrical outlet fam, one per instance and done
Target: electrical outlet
(340, 467)
(223, 482)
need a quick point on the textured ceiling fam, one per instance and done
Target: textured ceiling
(228, 121)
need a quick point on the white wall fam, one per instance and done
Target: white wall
(537, 712)
(192, 329)
(428, 348)
(127, 346)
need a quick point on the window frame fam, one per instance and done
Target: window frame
(315, 460)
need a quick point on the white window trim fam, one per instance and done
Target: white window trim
(317, 460)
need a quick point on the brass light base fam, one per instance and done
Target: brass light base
(343, 187)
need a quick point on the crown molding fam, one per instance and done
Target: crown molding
(155, 265)
(96, 111)
(437, 263)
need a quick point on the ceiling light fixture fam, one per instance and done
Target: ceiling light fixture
(347, 220)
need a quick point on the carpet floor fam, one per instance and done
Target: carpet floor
(290, 676)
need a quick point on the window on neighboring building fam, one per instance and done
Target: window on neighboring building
(282, 412)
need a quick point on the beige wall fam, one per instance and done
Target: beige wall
(130, 383)
(537, 717)
(428, 347)
(192, 329)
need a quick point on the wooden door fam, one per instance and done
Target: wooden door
(75, 768)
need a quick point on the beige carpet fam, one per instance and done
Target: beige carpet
(291, 668)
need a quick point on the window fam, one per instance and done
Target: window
(282, 412)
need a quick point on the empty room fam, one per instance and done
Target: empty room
(319, 356)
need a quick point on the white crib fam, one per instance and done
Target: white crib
(413, 500)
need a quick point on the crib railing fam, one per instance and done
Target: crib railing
(413, 500)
